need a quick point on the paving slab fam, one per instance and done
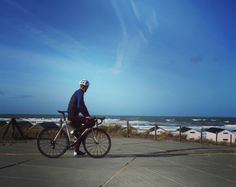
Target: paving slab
(131, 162)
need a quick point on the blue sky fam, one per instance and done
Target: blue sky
(142, 57)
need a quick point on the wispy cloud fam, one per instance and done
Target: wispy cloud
(132, 40)
(18, 7)
(44, 33)
(135, 10)
(152, 22)
(148, 19)
(142, 36)
(122, 47)
(121, 54)
(33, 63)
(22, 96)
(34, 60)
(54, 39)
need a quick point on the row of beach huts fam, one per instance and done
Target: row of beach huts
(215, 134)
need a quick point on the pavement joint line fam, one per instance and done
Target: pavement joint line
(20, 178)
(209, 154)
(15, 164)
(165, 177)
(19, 154)
(119, 171)
(202, 171)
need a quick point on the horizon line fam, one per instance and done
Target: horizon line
(118, 115)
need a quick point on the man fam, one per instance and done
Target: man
(75, 107)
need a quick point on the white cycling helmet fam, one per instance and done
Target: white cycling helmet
(84, 82)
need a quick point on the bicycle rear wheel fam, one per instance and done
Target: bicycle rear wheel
(48, 146)
(97, 143)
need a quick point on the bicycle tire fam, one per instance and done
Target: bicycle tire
(51, 149)
(100, 148)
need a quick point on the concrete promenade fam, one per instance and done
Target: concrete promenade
(131, 162)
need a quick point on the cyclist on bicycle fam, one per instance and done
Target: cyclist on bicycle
(75, 107)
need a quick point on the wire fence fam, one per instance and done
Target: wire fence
(14, 130)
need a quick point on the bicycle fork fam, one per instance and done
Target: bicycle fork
(59, 132)
(94, 137)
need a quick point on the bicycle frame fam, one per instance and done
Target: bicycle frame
(65, 124)
(82, 135)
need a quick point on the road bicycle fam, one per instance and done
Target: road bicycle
(53, 142)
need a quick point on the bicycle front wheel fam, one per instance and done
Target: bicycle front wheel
(97, 143)
(50, 145)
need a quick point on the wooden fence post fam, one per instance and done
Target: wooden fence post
(201, 141)
(14, 125)
(230, 139)
(155, 132)
(128, 129)
(180, 128)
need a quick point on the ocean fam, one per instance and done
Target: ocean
(140, 122)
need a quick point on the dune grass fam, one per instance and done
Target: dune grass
(114, 130)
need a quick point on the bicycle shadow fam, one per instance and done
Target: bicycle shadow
(143, 155)
(130, 155)
(167, 153)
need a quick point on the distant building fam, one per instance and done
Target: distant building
(226, 136)
(193, 134)
(212, 133)
(183, 129)
(159, 131)
(220, 135)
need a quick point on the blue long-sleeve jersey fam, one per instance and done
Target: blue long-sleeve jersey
(77, 105)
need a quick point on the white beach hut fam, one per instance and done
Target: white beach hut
(193, 134)
(159, 130)
(226, 136)
(212, 133)
(183, 131)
